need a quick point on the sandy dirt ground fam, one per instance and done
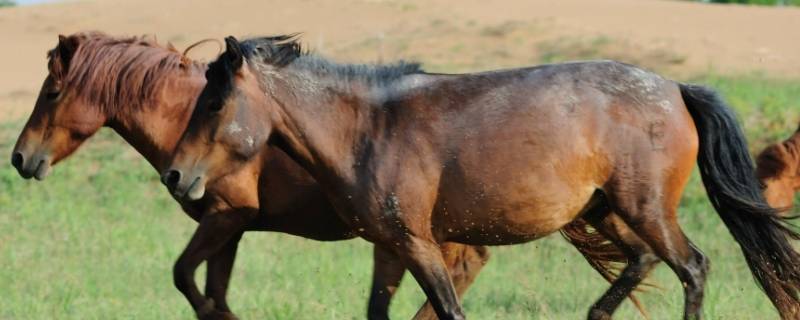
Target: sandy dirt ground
(467, 35)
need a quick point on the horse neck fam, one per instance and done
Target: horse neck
(323, 128)
(154, 130)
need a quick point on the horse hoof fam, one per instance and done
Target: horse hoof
(219, 315)
(597, 314)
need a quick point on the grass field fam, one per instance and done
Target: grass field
(98, 238)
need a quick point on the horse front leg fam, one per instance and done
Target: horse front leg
(387, 273)
(464, 263)
(423, 258)
(218, 276)
(214, 231)
(401, 223)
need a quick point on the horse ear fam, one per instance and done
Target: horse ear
(61, 56)
(67, 47)
(233, 52)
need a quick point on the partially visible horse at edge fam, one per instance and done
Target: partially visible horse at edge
(778, 168)
(411, 160)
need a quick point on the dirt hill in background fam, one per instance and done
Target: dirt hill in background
(675, 37)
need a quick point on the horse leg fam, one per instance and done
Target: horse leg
(218, 276)
(464, 263)
(213, 233)
(423, 258)
(688, 263)
(640, 256)
(387, 273)
(651, 212)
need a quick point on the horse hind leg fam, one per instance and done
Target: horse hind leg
(683, 257)
(640, 258)
(650, 211)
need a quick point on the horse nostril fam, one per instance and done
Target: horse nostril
(17, 160)
(171, 178)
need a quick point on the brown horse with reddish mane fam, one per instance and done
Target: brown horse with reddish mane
(778, 168)
(146, 93)
(411, 160)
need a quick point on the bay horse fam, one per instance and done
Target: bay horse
(778, 168)
(145, 92)
(411, 160)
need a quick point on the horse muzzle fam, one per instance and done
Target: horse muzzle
(191, 186)
(35, 165)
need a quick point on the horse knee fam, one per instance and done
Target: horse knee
(180, 277)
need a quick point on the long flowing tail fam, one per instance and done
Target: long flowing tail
(729, 177)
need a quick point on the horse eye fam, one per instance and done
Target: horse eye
(215, 106)
(52, 95)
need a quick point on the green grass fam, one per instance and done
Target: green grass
(97, 240)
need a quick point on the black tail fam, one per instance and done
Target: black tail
(729, 177)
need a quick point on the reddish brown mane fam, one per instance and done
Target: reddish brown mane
(118, 72)
(779, 159)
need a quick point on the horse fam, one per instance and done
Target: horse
(778, 168)
(145, 92)
(411, 159)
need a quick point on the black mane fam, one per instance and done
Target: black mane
(278, 51)
(286, 51)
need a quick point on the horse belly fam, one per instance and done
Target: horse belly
(509, 213)
(516, 183)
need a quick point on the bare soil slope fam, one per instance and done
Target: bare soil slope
(672, 36)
